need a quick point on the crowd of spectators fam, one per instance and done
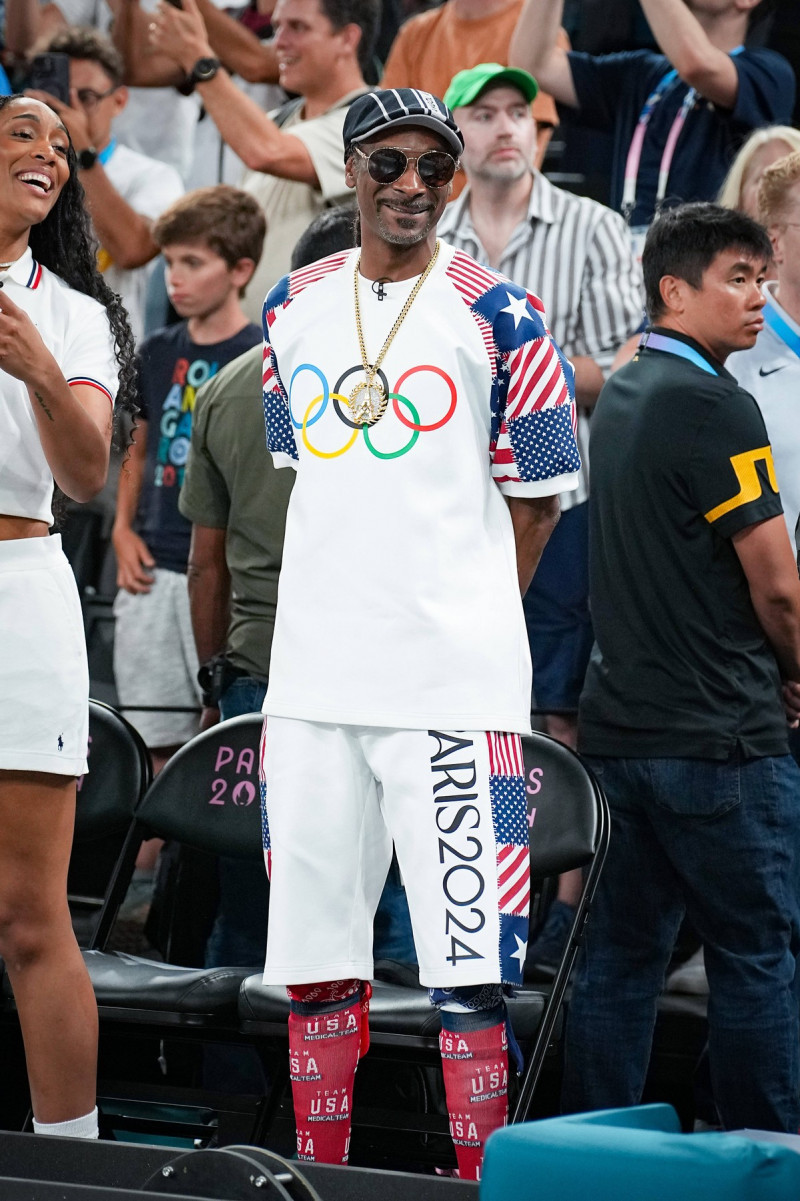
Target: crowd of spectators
(240, 111)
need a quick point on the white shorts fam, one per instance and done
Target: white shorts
(44, 677)
(336, 797)
(155, 660)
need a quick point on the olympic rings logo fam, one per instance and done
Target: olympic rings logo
(402, 406)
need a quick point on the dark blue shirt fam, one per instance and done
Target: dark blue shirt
(171, 369)
(612, 90)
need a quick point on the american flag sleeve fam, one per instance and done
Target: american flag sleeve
(277, 413)
(534, 419)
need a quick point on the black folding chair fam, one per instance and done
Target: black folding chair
(569, 828)
(207, 798)
(120, 771)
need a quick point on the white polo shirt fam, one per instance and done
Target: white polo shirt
(770, 372)
(75, 329)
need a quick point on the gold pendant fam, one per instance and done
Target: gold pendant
(367, 402)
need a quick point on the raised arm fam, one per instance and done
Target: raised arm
(534, 47)
(144, 67)
(238, 47)
(259, 143)
(230, 41)
(125, 234)
(28, 21)
(699, 62)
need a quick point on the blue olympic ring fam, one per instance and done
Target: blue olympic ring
(298, 425)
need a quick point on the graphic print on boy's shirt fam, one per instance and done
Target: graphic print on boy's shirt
(175, 426)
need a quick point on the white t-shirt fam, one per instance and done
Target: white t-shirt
(149, 187)
(770, 371)
(398, 599)
(75, 329)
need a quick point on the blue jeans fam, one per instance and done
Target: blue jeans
(721, 842)
(557, 613)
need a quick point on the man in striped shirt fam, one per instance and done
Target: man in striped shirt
(575, 254)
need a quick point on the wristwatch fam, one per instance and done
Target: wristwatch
(87, 158)
(204, 70)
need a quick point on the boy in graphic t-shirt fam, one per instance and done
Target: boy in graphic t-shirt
(211, 240)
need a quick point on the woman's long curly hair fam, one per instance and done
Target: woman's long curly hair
(64, 243)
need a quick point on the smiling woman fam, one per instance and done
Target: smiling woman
(65, 352)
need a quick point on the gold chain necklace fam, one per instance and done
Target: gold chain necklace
(368, 399)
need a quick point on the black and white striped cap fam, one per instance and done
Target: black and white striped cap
(391, 108)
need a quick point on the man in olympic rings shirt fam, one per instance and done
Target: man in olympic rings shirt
(431, 421)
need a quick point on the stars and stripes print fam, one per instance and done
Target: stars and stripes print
(510, 821)
(534, 419)
(280, 434)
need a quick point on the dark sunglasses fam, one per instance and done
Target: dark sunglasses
(387, 164)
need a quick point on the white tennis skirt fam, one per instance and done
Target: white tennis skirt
(44, 675)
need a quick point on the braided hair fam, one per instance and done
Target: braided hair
(64, 243)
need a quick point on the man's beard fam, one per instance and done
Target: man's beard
(415, 233)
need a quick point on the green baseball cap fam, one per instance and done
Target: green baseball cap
(466, 86)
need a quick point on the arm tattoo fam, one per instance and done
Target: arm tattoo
(40, 399)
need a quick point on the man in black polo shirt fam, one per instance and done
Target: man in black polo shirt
(696, 609)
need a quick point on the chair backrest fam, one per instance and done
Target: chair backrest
(120, 771)
(208, 794)
(569, 826)
(564, 817)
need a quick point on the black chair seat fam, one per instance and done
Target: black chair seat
(180, 994)
(394, 1010)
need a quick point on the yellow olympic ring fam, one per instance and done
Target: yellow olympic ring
(327, 454)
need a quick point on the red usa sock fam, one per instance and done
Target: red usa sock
(475, 1068)
(325, 1037)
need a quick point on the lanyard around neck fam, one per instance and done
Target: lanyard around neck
(780, 327)
(654, 341)
(634, 159)
(105, 155)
